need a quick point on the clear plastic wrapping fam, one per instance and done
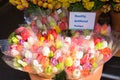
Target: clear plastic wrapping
(45, 46)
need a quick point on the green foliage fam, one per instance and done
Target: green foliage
(60, 76)
(98, 4)
(76, 7)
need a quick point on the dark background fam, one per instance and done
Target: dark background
(10, 18)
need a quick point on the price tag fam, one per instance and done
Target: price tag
(82, 20)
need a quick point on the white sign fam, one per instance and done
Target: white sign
(82, 20)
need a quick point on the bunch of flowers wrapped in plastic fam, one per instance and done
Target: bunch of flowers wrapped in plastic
(45, 46)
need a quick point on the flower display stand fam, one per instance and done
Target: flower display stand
(115, 21)
(37, 77)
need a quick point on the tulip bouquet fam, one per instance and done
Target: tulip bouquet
(46, 46)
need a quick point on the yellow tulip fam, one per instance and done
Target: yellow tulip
(12, 2)
(45, 5)
(20, 7)
(40, 3)
(65, 5)
(117, 7)
(23, 1)
(25, 4)
(57, 5)
(49, 1)
(85, 0)
(18, 2)
(34, 1)
(50, 6)
(117, 1)
(88, 5)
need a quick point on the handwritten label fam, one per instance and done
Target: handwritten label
(82, 20)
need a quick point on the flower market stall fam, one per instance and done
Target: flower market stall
(62, 39)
